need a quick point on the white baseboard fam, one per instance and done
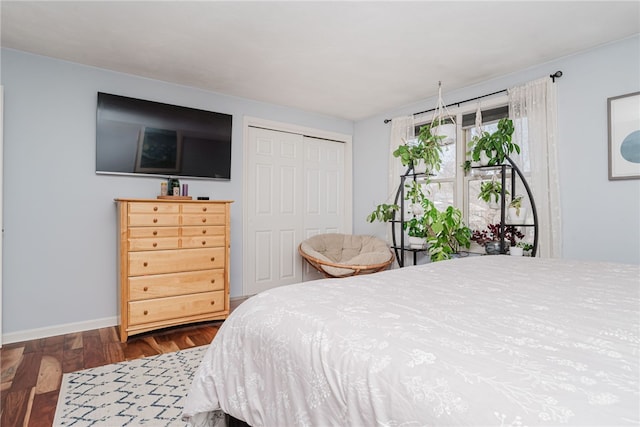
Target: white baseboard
(51, 331)
(69, 328)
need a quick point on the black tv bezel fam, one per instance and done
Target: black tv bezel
(170, 172)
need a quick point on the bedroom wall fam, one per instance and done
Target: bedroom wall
(59, 216)
(601, 218)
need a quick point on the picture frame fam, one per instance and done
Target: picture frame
(624, 136)
(159, 151)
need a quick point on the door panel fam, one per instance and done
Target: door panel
(296, 190)
(274, 220)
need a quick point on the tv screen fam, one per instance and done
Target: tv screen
(135, 136)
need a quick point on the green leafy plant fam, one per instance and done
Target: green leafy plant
(516, 202)
(497, 145)
(447, 232)
(427, 149)
(525, 246)
(491, 189)
(383, 212)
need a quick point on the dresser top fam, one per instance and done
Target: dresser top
(172, 200)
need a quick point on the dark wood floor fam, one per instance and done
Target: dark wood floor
(32, 370)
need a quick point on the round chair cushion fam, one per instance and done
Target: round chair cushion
(346, 249)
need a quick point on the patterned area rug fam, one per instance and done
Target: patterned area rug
(141, 392)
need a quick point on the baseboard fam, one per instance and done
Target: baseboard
(68, 328)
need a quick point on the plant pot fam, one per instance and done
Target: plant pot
(419, 166)
(492, 248)
(447, 132)
(484, 159)
(516, 251)
(514, 218)
(417, 242)
(416, 209)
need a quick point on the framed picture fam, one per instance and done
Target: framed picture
(624, 136)
(159, 151)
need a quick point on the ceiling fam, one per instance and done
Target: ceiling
(346, 59)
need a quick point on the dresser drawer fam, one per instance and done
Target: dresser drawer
(203, 208)
(156, 207)
(153, 244)
(165, 285)
(206, 230)
(153, 220)
(172, 261)
(142, 232)
(155, 310)
(202, 241)
(203, 219)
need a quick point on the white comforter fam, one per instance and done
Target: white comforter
(493, 340)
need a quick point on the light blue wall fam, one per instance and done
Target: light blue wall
(601, 218)
(59, 216)
(59, 257)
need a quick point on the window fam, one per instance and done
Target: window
(452, 186)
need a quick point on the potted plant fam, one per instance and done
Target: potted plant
(490, 192)
(493, 148)
(383, 212)
(417, 232)
(423, 156)
(516, 211)
(526, 248)
(489, 237)
(446, 232)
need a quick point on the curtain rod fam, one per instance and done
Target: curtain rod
(553, 77)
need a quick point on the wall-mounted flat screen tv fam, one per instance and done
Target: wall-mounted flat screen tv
(135, 136)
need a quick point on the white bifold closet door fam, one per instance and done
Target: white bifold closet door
(295, 190)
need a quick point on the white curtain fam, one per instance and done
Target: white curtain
(402, 130)
(533, 109)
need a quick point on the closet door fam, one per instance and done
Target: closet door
(274, 203)
(295, 189)
(324, 195)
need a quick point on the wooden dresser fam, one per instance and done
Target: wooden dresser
(174, 263)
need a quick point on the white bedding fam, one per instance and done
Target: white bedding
(492, 340)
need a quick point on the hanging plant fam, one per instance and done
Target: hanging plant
(497, 145)
(426, 150)
(491, 190)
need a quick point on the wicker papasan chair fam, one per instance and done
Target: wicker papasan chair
(342, 255)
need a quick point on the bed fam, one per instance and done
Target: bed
(491, 341)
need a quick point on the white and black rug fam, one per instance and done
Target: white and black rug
(141, 392)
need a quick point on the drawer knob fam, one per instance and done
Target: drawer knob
(204, 231)
(213, 258)
(204, 242)
(204, 209)
(213, 280)
(155, 244)
(155, 209)
(146, 288)
(155, 232)
(204, 220)
(145, 264)
(145, 312)
(213, 303)
(155, 220)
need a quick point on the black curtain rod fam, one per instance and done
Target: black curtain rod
(553, 77)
